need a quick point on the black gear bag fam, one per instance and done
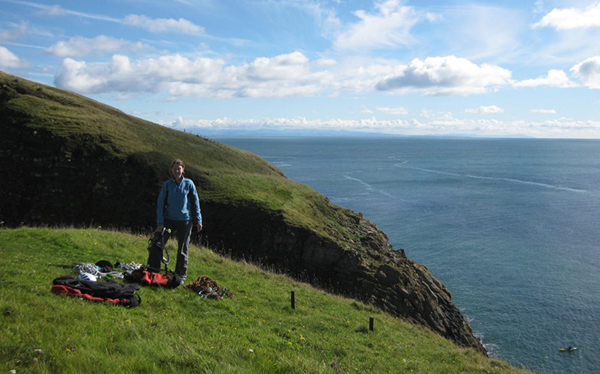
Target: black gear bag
(157, 252)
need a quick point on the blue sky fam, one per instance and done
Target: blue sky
(484, 68)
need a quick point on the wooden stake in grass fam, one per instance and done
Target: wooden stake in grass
(371, 321)
(293, 300)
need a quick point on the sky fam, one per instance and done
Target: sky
(511, 68)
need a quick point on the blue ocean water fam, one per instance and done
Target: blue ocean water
(510, 226)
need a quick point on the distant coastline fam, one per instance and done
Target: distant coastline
(240, 133)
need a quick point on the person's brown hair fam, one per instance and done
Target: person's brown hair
(177, 162)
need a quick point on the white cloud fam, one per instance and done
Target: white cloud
(9, 60)
(159, 25)
(555, 78)
(290, 75)
(356, 77)
(388, 27)
(429, 114)
(484, 32)
(80, 77)
(281, 67)
(326, 62)
(491, 109)
(394, 111)
(588, 72)
(156, 25)
(369, 124)
(16, 32)
(280, 76)
(149, 75)
(445, 76)
(543, 111)
(57, 10)
(572, 18)
(559, 128)
(79, 46)
(324, 17)
(53, 10)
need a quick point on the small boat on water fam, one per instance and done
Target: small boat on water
(568, 349)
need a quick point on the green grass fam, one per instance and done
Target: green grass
(176, 331)
(299, 204)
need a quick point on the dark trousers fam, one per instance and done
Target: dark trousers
(182, 230)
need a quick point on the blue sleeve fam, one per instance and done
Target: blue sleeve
(196, 206)
(160, 205)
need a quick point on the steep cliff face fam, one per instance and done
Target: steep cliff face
(367, 268)
(68, 160)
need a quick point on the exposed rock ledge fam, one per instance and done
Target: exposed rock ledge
(369, 270)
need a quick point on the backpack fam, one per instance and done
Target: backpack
(156, 249)
(148, 277)
(115, 293)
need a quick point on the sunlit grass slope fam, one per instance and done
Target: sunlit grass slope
(176, 331)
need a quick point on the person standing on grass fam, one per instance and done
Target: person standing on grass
(178, 209)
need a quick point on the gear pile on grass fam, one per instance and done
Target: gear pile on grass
(207, 287)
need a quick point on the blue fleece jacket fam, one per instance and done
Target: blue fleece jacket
(178, 202)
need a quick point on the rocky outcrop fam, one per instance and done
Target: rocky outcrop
(368, 270)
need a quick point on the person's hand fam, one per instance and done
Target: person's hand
(159, 228)
(198, 227)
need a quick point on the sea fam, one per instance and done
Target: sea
(510, 226)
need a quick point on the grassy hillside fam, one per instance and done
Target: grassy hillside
(68, 115)
(178, 331)
(57, 128)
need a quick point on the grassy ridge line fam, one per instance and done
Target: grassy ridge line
(70, 115)
(177, 331)
(229, 175)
